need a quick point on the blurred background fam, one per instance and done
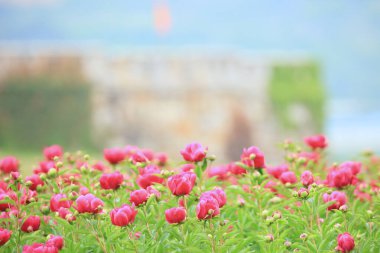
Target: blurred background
(158, 74)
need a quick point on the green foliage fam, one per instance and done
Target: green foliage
(264, 222)
(297, 85)
(41, 111)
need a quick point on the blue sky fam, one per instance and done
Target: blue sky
(344, 35)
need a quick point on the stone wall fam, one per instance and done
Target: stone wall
(163, 101)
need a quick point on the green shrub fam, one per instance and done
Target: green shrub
(297, 84)
(39, 111)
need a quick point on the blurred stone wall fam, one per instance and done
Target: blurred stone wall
(164, 101)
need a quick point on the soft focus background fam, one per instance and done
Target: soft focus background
(158, 74)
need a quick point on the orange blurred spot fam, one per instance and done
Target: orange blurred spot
(162, 19)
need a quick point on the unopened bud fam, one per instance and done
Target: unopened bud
(264, 213)
(56, 158)
(269, 238)
(252, 156)
(86, 157)
(256, 174)
(303, 236)
(212, 158)
(52, 173)
(269, 220)
(287, 244)
(59, 164)
(343, 208)
(45, 209)
(73, 196)
(275, 199)
(28, 183)
(337, 226)
(277, 215)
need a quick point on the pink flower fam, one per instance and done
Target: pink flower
(288, 177)
(32, 223)
(5, 235)
(99, 166)
(56, 241)
(271, 185)
(194, 152)
(340, 177)
(53, 151)
(182, 184)
(307, 178)
(339, 199)
(111, 181)
(207, 208)
(253, 157)
(139, 197)
(277, 170)
(114, 155)
(44, 167)
(140, 157)
(35, 181)
(152, 191)
(59, 200)
(123, 215)
(27, 196)
(175, 215)
(346, 242)
(355, 167)
(236, 169)
(220, 172)
(149, 175)
(66, 214)
(89, 204)
(83, 190)
(9, 164)
(187, 167)
(308, 157)
(316, 141)
(39, 248)
(218, 194)
(5, 195)
(161, 158)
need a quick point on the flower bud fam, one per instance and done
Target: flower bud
(212, 158)
(275, 199)
(337, 226)
(303, 236)
(269, 220)
(28, 183)
(45, 209)
(343, 208)
(59, 164)
(52, 173)
(287, 244)
(264, 213)
(277, 215)
(269, 238)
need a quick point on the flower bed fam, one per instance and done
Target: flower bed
(139, 200)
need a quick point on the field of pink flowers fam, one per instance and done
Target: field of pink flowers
(137, 200)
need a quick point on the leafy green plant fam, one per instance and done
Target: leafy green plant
(123, 206)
